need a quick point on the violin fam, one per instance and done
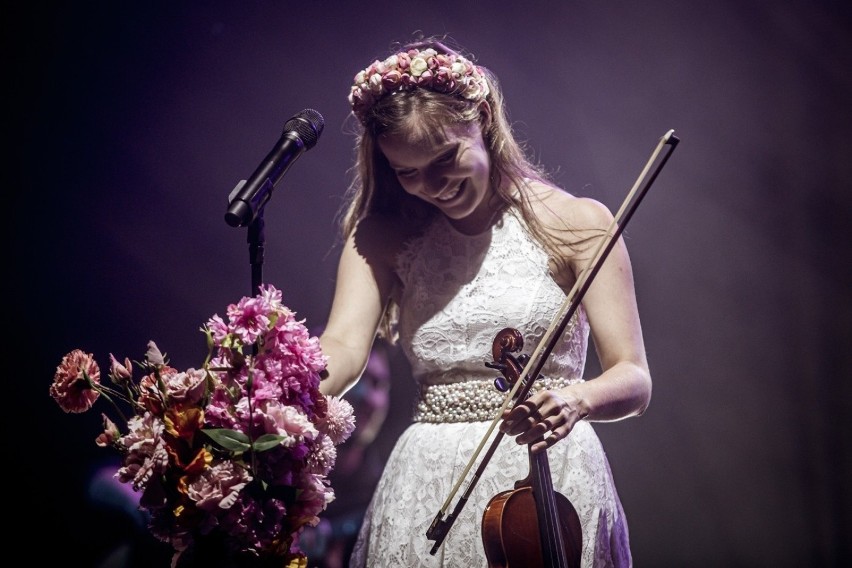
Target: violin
(530, 525)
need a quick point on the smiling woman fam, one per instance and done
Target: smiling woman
(452, 234)
(450, 169)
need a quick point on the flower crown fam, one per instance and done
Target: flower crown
(447, 73)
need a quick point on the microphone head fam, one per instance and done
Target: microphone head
(308, 126)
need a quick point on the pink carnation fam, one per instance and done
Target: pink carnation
(146, 451)
(186, 388)
(150, 396)
(70, 388)
(218, 328)
(218, 487)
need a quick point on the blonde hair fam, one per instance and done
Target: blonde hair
(374, 188)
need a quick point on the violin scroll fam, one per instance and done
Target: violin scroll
(507, 341)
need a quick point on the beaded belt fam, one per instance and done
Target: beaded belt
(468, 401)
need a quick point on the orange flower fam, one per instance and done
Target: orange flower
(183, 423)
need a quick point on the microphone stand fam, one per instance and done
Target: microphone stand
(256, 238)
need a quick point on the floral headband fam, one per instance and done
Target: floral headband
(444, 73)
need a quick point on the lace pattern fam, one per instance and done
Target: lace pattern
(459, 290)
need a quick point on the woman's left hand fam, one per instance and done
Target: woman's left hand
(544, 418)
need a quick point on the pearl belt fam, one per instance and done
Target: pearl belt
(469, 401)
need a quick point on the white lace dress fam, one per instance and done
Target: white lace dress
(459, 291)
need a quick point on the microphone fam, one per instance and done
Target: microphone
(247, 199)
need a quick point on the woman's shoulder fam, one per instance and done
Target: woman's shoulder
(559, 210)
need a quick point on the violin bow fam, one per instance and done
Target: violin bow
(440, 526)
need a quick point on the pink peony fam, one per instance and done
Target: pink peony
(289, 422)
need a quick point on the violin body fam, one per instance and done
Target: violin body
(511, 535)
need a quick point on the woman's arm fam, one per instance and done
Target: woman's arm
(364, 283)
(623, 388)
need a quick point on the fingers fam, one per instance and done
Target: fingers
(548, 440)
(521, 418)
(541, 426)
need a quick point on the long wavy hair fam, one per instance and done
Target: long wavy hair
(374, 187)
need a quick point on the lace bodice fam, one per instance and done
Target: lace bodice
(460, 290)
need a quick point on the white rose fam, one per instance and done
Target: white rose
(474, 89)
(376, 83)
(418, 66)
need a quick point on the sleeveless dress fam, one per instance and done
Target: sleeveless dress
(458, 292)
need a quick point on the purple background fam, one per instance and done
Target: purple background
(131, 123)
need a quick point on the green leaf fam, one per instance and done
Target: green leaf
(267, 442)
(229, 439)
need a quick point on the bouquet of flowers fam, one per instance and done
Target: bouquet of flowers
(231, 460)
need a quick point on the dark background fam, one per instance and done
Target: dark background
(132, 122)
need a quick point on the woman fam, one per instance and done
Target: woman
(452, 234)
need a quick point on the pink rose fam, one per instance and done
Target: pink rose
(391, 80)
(443, 80)
(403, 61)
(425, 79)
(442, 60)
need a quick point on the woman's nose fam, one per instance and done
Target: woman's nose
(434, 183)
